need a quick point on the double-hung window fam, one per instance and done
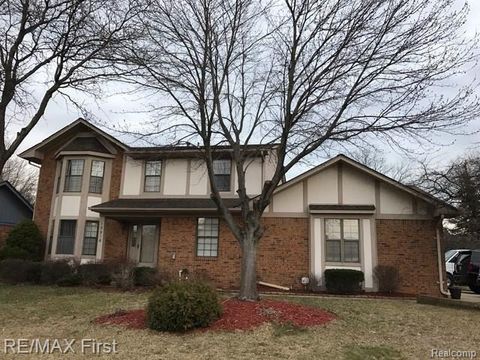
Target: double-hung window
(90, 238)
(153, 171)
(66, 237)
(222, 173)
(96, 177)
(207, 237)
(73, 175)
(342, 238)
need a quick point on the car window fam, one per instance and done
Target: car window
(448, 254)
(475, 259)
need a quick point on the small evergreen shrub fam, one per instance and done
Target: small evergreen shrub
(95, 274)
(182, 305)
(343, 281)
(53, 271)
(23, 242)
(388, 278)
(70, 280)
(14, 271)
(145, 276)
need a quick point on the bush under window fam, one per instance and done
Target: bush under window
(183, 305)
(53, 271)
(343, 281)
(14, 271)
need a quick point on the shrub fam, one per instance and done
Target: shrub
(95, 274)
(14, 271)
(53, 271)
(122, 274)
(145, 276)
(388, 278)
(70, 280)
(182, 305)
(343, 281)
(24, 242)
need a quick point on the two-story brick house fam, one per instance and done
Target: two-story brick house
(99, 199)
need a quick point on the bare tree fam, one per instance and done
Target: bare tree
(22, 177)
(459, 184)
(50, 46)
(403, 171)
(304, 75)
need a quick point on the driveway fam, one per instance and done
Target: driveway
(470, 296)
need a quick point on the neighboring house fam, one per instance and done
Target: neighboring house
(13, 209)
(99, 199)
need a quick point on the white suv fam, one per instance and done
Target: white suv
(451, 258)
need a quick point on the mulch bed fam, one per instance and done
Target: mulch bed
(238, 315)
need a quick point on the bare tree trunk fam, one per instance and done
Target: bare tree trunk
(248, 279)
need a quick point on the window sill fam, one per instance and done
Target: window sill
(331, 263)
(206, 258)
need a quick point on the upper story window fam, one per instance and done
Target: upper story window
(342, 238)
(222, 174)
(153, 170)
(96, 177)
(73, 175)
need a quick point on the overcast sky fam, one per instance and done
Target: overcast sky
(122, 107)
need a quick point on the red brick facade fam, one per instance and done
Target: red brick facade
(411, 246)
(283, 254)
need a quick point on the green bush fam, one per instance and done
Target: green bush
(53, 271)
(70, 280)
(95, 274)
(145, 276)
(343, 281)
(388, 278)
(24, 242)
(14, 271)
(183, 305)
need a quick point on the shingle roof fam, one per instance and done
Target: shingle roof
(165, 204)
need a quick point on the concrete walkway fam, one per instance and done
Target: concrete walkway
(470, 296)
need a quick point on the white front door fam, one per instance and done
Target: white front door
(143, 244)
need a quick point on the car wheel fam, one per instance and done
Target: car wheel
(449, 280)
(474, 288)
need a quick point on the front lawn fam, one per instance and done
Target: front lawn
(365, 329)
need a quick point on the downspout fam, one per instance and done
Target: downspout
(440, 257)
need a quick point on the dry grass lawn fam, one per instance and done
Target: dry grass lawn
(365, 329)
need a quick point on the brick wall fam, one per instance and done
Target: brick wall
(46, 181)
(410, 245)
(282, 254)
(4, 231)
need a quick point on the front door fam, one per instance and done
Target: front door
(143, 244)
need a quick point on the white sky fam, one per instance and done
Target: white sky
(120, 107)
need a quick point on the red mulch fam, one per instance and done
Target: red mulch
(238, 315)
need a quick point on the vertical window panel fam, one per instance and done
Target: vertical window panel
(153, 171)
(222, 174)
(90, 238)
(207, 237)
(66, 237)
(342, 240)
(96, 177)
(73, 175)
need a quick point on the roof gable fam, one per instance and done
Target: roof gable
(6, 185)
(343, 159)
(34, 153)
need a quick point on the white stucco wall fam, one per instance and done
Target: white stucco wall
(358, 187)
(269, 165)
(394, 201)
(70, 205)
(175, 172)
(289, 200)
(92, 201)
(253, 176)
(198, 178)
(323, 187)
(132, 177)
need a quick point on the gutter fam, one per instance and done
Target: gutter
(440, 258)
